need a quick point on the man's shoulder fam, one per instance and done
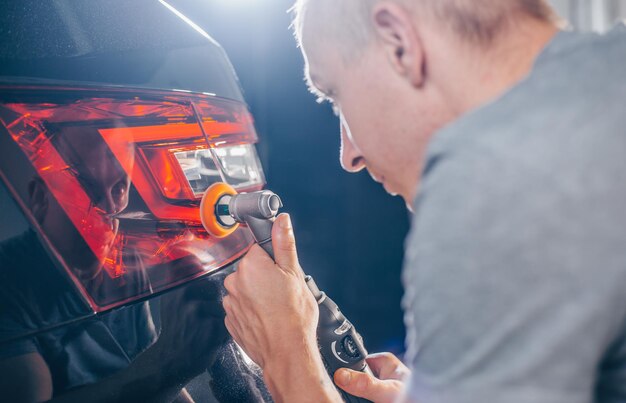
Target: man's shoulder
(577, 84)
(560, 128)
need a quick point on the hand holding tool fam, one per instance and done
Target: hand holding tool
(222, 210)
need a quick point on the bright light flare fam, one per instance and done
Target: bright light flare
(187, 20)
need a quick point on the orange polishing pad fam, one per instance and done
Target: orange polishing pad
(207, 209)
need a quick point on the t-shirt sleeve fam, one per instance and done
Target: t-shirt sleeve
(9, 330)
(510, 301)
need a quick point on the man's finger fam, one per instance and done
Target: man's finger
(284, 243)
(367, 386)
(387, 366)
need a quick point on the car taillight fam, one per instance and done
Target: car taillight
(184, 173)
(122, 175)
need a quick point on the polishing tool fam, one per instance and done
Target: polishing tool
(222, 209)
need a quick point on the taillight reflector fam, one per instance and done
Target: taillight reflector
(134, 202)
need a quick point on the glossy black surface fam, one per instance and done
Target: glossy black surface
(138, 43)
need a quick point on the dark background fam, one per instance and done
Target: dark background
(350, 233)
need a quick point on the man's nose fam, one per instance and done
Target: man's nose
(351, 159)
(105, 207)
(106, 202)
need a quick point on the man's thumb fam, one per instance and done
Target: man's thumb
(284, 243)
(364, 385)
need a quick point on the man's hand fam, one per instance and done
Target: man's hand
(273, 316)
(270, 312)
(387, 384)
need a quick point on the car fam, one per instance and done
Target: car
(115, 117)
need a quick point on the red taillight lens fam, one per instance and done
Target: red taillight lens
(113, 181)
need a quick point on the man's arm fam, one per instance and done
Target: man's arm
(25, 378)
(300, 378)
(273, 316)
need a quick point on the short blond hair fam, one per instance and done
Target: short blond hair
(475, 21)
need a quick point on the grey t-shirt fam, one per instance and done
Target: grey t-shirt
(515, 269)
(34, 295)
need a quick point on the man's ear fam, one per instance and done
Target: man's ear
(38, 199)
(395, 31)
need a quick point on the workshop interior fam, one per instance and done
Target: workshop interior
(115, 119)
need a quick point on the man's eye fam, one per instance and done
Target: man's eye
(119, 190)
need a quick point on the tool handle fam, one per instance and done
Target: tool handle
(340, 344)
(267, 247)
(352, 399)
(262, 231)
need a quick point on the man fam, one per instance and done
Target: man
(505, 136)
